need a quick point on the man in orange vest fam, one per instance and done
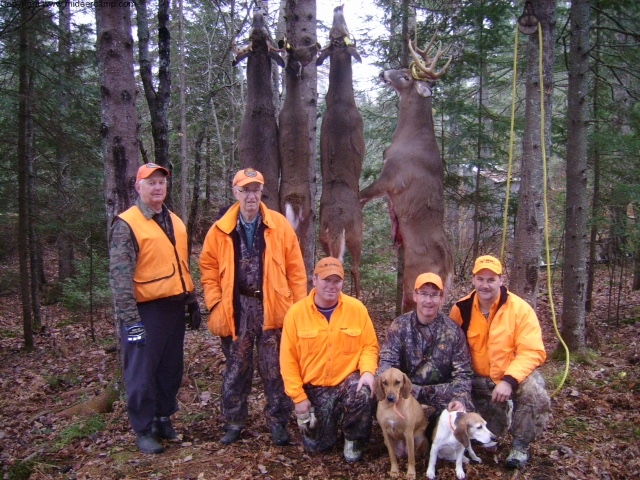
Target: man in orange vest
(252, 272)
(506, 347)
(154, 300)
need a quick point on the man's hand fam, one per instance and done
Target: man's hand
(366, 378)
(306, 417)
(502, 392)
(136, 334)
(194, 318)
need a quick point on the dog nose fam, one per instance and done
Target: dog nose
(391, 398)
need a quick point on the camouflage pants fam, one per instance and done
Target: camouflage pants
(339, 406)
(531, 408)
(237, 378)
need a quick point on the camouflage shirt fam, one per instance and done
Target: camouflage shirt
(123, 255)
(435, 357)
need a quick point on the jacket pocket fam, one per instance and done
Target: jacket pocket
(350, 339)
(217, 323)
(156, 274)
(308, 341)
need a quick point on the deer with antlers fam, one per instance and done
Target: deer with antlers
(258, 136)
(412, 173)
(341, 152)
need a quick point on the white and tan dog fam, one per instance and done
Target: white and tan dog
(402, 420)
(453, 435)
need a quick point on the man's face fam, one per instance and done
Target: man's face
(487, 284)
(249, 197)
(428, 300)
(327, 290)
(153, 190)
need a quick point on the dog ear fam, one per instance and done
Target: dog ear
(378, 390)
(461, 432)
(405, 391)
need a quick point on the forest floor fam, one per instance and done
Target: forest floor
(594, 431)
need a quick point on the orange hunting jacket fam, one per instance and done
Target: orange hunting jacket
(161, 270)
(509, 343)
(284, 278)
(321, 353)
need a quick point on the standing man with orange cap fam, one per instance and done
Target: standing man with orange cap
(328, 358)
(154, 300)
(252, 272)
(430, 349)
(506, 346)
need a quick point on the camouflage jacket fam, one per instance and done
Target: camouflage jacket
(435, 357)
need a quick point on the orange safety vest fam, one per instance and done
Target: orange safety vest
(162, 269)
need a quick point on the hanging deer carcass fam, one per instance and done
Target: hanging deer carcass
(295, 189)
(258, 136)
(341, 152)
(412, 174)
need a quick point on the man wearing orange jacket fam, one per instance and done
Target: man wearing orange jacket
(252, 271)
(506, 347)
(328, 358)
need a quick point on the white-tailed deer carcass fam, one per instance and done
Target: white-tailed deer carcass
(258, 136)
(341, 152)
(412, 174)
(295, 150)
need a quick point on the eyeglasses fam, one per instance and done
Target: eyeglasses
(246, 192)
(425, 295)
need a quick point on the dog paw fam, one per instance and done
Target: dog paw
(431, 475)
(460, 474)
(394, 473)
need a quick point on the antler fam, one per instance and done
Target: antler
(426, 68)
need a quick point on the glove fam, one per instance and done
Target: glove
(136, 334)
(194, 318)
(307, 421)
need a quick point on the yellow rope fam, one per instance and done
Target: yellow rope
(511, 135)
(546, 217)
(544, 192)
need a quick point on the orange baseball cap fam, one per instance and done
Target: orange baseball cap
(147, 169)
(329, 266)
(247, 175)
(488, 262)
(428, 278)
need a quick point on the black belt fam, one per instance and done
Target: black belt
(251, 293)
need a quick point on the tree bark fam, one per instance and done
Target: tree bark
(119, 118)
(184, 158)
(523, 278)
(574, 279)
(24, 161)
(158, 101)
(64, 240)
(301, 32)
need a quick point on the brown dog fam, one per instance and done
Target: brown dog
(401, 418)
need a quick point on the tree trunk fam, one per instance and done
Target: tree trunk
(523, 279)
(158, 101)
(573, 325)
(24, 161)
(34, 251)
(301, 32)
(184, 159)
(119, 116)
(119, 131)
(64, 240)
